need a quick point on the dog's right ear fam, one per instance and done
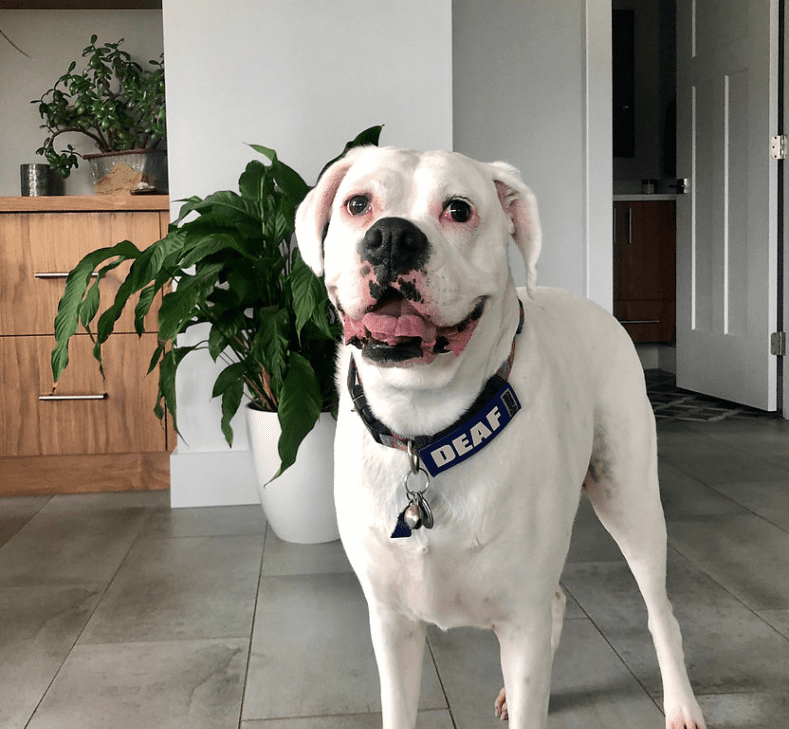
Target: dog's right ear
(314, 212)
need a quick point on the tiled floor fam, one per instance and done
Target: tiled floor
(117, 612)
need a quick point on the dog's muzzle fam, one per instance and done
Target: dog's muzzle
(397, 331)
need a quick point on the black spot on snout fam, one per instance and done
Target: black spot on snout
(409, 290)
(394, 246)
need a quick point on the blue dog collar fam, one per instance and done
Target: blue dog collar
(487, 417)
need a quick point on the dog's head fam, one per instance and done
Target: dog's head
(413, 247)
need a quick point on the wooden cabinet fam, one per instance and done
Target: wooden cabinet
(90, 433)
(645, 269)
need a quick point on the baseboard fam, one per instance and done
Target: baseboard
(658, 357)
(34, 475)
(213, 478)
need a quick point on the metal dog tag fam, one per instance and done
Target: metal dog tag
(412, 516)
(417, 513)
(425, 512)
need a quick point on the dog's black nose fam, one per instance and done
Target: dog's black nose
(394, 246)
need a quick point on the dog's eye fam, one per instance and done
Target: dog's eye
(459, 210)
(358, 204)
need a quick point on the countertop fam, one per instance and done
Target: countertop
(83, 203)
(639, 197)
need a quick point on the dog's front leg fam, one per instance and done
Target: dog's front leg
(526, 661)
(399, 645)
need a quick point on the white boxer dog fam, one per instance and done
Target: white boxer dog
(471, 416)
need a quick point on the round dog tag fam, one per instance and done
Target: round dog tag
(413, 516)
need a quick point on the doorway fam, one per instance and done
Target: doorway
(644, 173)
(727, 226)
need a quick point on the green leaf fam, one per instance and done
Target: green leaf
(167, 369)
(272, 343)
(309, 295)
(228, 204)
(90, 304)
(157, 355)
(232, 329)
(299, 407)
(368, 136)
(230, 385)
(203, 246)
(67, 317)
(144, 303)
(146, 268)
(178, 307)
(289, 181)
(255, 180)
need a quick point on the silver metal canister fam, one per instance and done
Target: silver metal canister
(36, 180)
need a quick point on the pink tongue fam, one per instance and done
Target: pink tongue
(397, 320)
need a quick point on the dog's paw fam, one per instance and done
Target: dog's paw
(688, 717)
(500, 707)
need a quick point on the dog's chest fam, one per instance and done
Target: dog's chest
(441, 576)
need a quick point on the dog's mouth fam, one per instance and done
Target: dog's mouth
(394, 331)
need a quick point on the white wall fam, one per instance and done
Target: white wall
(302, 77)
(53, 38)
(532, 86)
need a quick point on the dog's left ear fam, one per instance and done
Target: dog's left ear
(520, 205)
(314, 212)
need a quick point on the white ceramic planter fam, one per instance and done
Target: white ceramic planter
(299, 505)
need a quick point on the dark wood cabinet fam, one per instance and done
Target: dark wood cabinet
(645, 269)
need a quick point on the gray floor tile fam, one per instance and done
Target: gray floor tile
(728, 649)
(176, 589)
(768, 499)
(683, 495)
(762, 437)
(572, 610)
(779, 619)
(758, 710)
(591, 688)
(112, 500)
(782, 462)
(182, 685)
(726, 467)
(17, 511)
(72, 541)
(38, 628)
(312, 654)
(215, 521)
(431, 719)
(677, 440)
(749, 557)
(590, 541)
(284, 558)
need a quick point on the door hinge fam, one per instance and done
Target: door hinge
(778, 343)
(778, 146)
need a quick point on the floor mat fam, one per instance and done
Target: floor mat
(672, 403)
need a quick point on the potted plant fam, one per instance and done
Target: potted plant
(234, 269)
(121, 107)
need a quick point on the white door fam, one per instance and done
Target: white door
(727, 286)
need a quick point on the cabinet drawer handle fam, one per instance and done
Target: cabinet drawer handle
(56, 274)
(630, 226)
(639, 321)
(57, 398)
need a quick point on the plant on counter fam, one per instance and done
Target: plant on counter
(236, 269)
(114, 101)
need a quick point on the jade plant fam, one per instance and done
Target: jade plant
(232, 267)
(114, 101)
